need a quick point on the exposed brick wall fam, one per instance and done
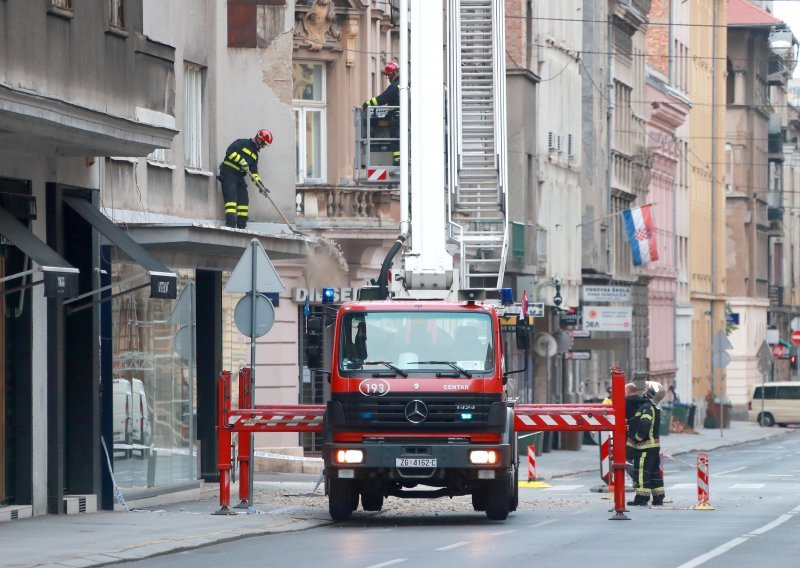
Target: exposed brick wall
(515, 33)
(657, 37)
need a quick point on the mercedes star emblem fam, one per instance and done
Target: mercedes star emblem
(416, 412)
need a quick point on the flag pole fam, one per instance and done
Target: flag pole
(596, 219)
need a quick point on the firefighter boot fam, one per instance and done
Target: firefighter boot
(639, 501)
(241, 222)
(230, 220)
(658, 500)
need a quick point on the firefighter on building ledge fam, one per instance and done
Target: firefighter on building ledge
(241, 159)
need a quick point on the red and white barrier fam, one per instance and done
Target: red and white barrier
(532, 463)
(702, 484)
(605, 457)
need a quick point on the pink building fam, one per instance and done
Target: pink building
(667, 110)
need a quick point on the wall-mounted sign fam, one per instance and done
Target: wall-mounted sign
(536, 309)
(578, 355)
(572, 320)
(606, 293)
(607, 318)
(299, 295)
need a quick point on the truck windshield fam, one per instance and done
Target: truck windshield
(417, 341)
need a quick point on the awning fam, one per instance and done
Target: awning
(60, 277)
(163, 282)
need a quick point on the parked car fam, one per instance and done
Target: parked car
(122, 411)
(141, 425)
(775, 403)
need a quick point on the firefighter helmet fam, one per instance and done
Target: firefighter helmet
(391, 70)
(654, 391)
(263, 138)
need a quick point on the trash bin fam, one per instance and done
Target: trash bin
(680, 412)
(571, 440)
(530, 439)
(547, 445)
(713, 411)
(666, 415)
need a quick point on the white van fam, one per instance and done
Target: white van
(775, 403)
(122, 411)
(141, 429)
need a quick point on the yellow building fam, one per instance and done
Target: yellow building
(707, 190)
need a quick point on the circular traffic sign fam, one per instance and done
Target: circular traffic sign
(265, 315)
(796, 337)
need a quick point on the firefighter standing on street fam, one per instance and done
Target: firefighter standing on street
(390, 97)
(241, 159)
(644, 447)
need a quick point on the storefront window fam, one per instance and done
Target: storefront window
(154, 364)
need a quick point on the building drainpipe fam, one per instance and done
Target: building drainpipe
(609, 142)
(714, 204)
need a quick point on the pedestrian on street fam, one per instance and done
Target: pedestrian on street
(644, 448)
(241, 159)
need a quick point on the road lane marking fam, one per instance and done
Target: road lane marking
(451, 546)
(723, 548)
(729, 471)
(503, 532)
(564, 487)
(388, 563)
(683, 485)
(780, 475)
(543, 523)
(747, 486)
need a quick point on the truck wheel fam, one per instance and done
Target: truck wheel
(515, 489)
(498, 502)
(341, 494)
(479, 499)
(371, 500)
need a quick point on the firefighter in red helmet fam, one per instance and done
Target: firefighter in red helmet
(241, 159)
(390, 97)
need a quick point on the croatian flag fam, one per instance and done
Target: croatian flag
(641, 234)
(525, 303)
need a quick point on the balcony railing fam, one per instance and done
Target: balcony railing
(342, 206)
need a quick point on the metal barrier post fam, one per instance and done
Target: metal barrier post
(245, 401)
(702, 484)
(532, 463)
(224, 443)
(619, 442)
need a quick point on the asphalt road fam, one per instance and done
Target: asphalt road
(755, 490)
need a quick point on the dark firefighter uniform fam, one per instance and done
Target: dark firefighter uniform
(390, 97)
(644, 449)
(240, 157)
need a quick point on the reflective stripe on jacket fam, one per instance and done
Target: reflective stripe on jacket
(242, 156)
(643, 427)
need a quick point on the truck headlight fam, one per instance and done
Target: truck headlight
(483, 457)
(349, 456)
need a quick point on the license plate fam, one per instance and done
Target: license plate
(415, 462)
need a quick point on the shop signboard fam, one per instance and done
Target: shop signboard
(606, 294)
(608, 318)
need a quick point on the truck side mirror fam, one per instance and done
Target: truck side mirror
(523, 336)
(313, 345)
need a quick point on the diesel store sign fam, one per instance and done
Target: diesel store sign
(299, 295)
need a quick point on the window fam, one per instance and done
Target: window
(116, 14)
(788, 393)
(62, 4)
(193, 117)
(310, 122)
(158, 155)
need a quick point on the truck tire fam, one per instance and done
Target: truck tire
(479, 498)
(341, 495)
(371, 500)
(498, 502)
(515, 488)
